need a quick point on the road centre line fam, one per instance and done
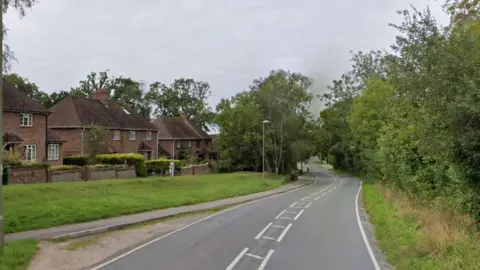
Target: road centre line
(298, 215)
(237, 259)
(285, 218)
(316, 199)
(310, 203)
(293, 204)
(281, 213)
(263, 231)
(278, 226)
(269, 238)
(264, 262)
(304, 198)
(284, 232)
(253, 256)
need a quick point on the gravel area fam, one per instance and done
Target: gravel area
(80, 253)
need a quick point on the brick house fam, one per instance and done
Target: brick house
(175, 133)
(26, 130)
(125, 130)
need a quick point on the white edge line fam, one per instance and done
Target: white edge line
(365, 239)
(191, 224)
(264, 262)
(237, 259)
(310, 203)
(293, 204)
(281, 213)
(316, 199)
(298, 215)
(284, 232)
(263, 231)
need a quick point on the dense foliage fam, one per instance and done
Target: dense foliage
(411, 116)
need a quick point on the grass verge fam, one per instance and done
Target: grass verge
(421, 237)
(17, 255)
(29, 207)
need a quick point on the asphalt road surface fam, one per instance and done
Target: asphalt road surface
(316, 227)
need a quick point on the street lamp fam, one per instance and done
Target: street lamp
(263, 146)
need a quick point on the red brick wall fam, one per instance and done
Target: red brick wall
(168, 145)
(35, 134)
(73, 144)
(196, 170)
(27, 176)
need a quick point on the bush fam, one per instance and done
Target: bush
(12, 157)
(64, 168)
(78, 160)
(30, 165)
(130, 159)
(161, 166)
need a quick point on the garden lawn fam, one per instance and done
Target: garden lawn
(37, 206)
(17, 255)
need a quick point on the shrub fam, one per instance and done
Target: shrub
(30, 165)
(78, 160)
(106, 166)
(64, 168)
(131, 159)
(161, 166)
(12, 157)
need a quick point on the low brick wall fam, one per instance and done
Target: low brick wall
(126, 173)
(65, 176)
(100, 174)
(196, 170)
(27, 176)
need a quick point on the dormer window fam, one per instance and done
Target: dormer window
(26, 119)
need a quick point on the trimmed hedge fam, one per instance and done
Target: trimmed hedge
(161, 166)
(78, 160)
(29, 165)
(131, 159)
(64, 168)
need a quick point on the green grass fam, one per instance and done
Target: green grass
(29, 207)
(411, 244)
(17, 255)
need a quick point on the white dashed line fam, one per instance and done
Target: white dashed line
(278, 226)
(253, 256)
(281, 213)
(316, 199)
(263, 231)
(304, 198)
(264, 262)
(284, 232)
(237, 259)
(310, 203)
(285, 218)
(293, 204)
(269, 238)
(298, 215)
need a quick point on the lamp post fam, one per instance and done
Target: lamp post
(2, 233)
(263, 148)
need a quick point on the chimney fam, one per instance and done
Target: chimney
(101, 94)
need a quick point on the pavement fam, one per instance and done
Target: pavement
(320, 226)
(104, 225)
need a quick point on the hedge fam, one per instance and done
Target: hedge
(161, 166)
(131, 159)
(78, 160)
(64, 168)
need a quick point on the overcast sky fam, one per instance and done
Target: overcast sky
(224, 42)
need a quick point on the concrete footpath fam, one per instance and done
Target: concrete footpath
(104, 225)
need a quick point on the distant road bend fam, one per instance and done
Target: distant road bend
(311, 228)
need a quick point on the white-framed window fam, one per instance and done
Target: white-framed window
(149, 135)
(26, 119)
(30, 152)
(189, 143)
(53, 152)
(133, 136)
(179, 144)
(116, 135)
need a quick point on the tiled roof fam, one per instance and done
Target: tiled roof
(17, 101)
(9, 137)
(178, 128)
(81, 112)
(144, 147)
(52, 136)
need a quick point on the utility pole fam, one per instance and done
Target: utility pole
(2, 222)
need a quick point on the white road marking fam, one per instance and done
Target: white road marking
(297, 207)
(298, 215)
(293, 204)
(264, 262)
(285, 218)
(263, 231)
(315, 193)
(281, 213)
(284, 232)
(304, 198)
(100, 266)
(237, 259)
(278, 226)
(310, 203)
(291, 212)
(269, 238)
(254, 256)
(365, 239)
(316, 199)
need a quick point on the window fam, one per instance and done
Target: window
(30, 152)
(179, 144)
(26, 119)
(189, 143)
(133, 136)
(149, 135)
(53, 152)
(116, 135)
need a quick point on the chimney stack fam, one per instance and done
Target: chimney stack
(101, 94)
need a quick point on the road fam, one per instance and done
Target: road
(315, 227)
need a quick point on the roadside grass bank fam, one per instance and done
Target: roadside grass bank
(18, 254)
(415, 236)
(29, 207)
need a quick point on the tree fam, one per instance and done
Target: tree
(97, 143)
(24, 85)
(185, 96)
